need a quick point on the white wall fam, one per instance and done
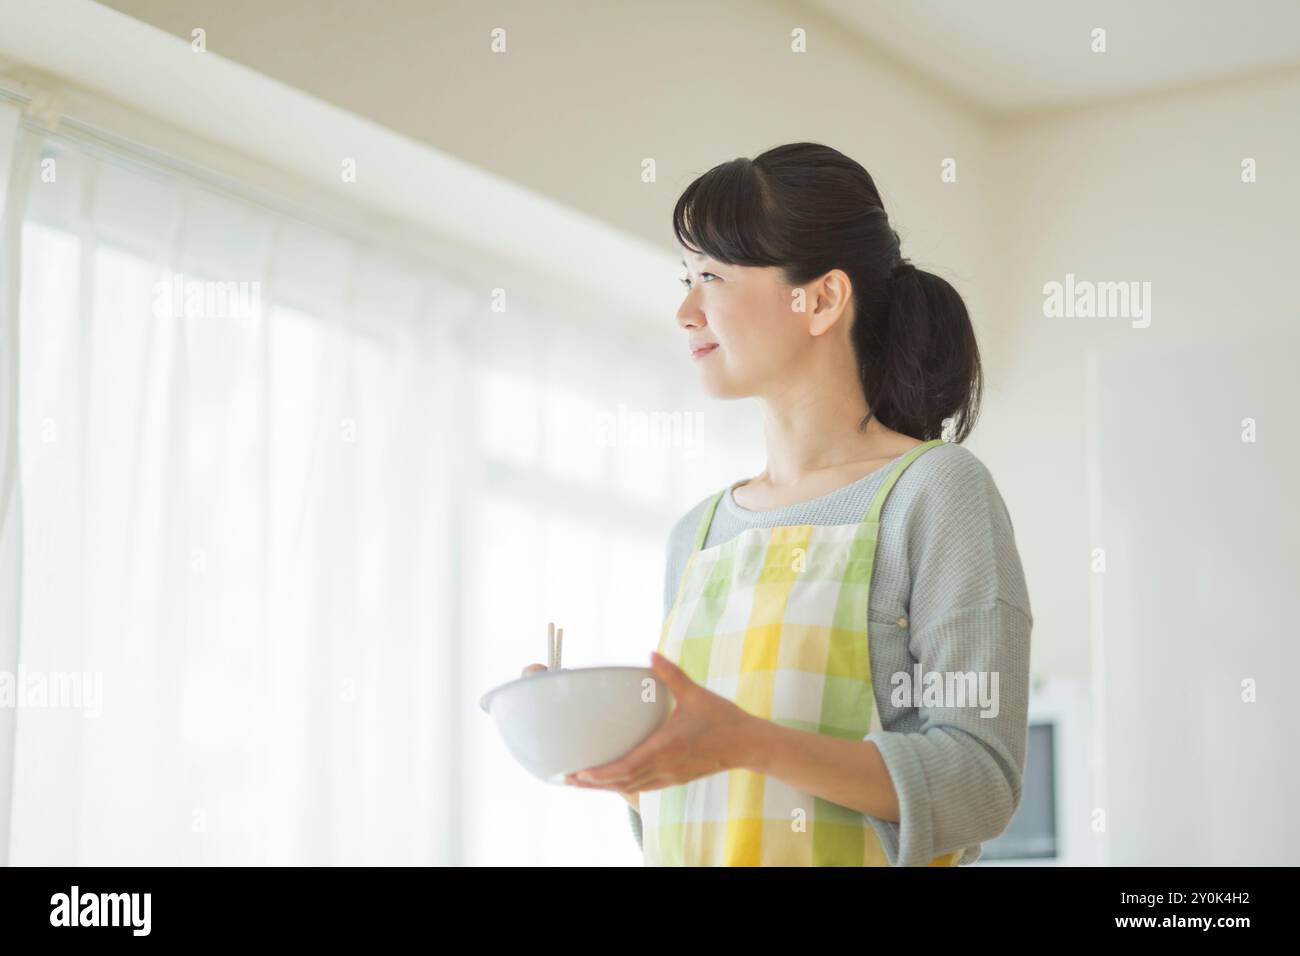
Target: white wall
(587, 89)
(1198, 527)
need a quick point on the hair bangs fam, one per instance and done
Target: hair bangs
(722, 214)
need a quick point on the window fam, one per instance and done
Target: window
(296, 525)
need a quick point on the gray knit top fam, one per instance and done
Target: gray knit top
(948, 593)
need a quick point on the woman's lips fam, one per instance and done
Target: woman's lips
(703, 350)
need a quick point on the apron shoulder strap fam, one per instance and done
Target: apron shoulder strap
(702, 534)
(872, 519)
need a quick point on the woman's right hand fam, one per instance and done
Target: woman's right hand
(633, 799)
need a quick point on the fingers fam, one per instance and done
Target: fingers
(532, 669)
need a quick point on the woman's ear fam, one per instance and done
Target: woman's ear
(828, 300)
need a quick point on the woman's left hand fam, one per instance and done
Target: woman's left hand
(705, 734)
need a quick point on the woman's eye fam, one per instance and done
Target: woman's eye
(687, 282)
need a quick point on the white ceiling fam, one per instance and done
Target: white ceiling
(1016, 56)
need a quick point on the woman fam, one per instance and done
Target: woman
(830, 610)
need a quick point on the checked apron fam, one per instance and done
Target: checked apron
(775, 620)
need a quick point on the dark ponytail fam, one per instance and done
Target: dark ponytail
(808, 209)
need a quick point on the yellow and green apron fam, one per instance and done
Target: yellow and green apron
(776, 620)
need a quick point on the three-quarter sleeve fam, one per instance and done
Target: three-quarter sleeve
(958, 768)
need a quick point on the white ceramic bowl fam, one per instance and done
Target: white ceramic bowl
(558, 722)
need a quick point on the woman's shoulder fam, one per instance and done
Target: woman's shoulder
(958, 526)
(686, 526)
(949, 470)
(949, 491)
(953, 454)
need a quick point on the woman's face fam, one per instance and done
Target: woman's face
(743, 321)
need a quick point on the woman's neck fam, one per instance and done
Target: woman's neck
(813, 430)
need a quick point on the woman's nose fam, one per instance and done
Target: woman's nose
(688, 315)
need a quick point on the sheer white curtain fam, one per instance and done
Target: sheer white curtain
(295, 502)
(234, 529)
(15, 161)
